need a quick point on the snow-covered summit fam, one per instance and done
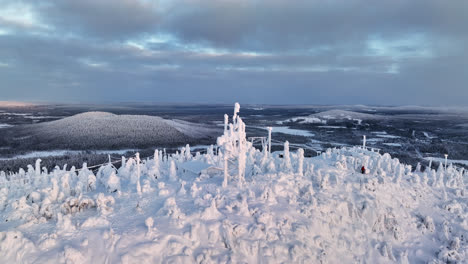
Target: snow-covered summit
(254, 207)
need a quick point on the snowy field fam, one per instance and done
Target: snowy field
(5, 125)
(421, 131)
(441, 160)
(236, 204)
(54, 153)
(289, 131)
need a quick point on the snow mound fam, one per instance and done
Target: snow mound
(258, 208)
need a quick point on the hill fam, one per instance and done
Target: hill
(336, 115)
(105, 130)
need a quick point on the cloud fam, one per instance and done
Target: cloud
(357, 51)
(303, 24)
(103, 19)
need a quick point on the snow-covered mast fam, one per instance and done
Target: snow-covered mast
(269, 138)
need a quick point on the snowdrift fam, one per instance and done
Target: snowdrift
(104, 130)
(245, 206)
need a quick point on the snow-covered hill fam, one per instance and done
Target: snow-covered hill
(236, 204)
(335, 114)
(104, 130)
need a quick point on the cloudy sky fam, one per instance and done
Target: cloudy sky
(396, 52)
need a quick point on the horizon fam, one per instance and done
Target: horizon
(8, 103)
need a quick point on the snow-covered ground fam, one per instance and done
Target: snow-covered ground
(392, 144)
(386, 136)
(463, 162)
(426, 134)
(56, 153)
(243, 206)
(333, 127)
(374, 140)
(100, 130)
(290, 131)
(5, 125)
(305, 120)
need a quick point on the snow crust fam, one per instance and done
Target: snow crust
(258, 208)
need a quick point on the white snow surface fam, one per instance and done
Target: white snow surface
(108, 124)
(426, 134)
(322, 117)
(392, 144)
(463, 162)
(270, 210)
(343, 114)
(386, 136)
(62, 152)
(333, 127)
(5, 125)
(306, 120)
(290, 131)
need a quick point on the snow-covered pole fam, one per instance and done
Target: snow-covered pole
(226, 121)
(38, 167)
(364, 141)
(300, 167)
(188, 155)
(269, 138)
(138, 173)
(446, 156)
(173, 171)
(225, 171)
(156, 158)
(236, 111)
(286, 157)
